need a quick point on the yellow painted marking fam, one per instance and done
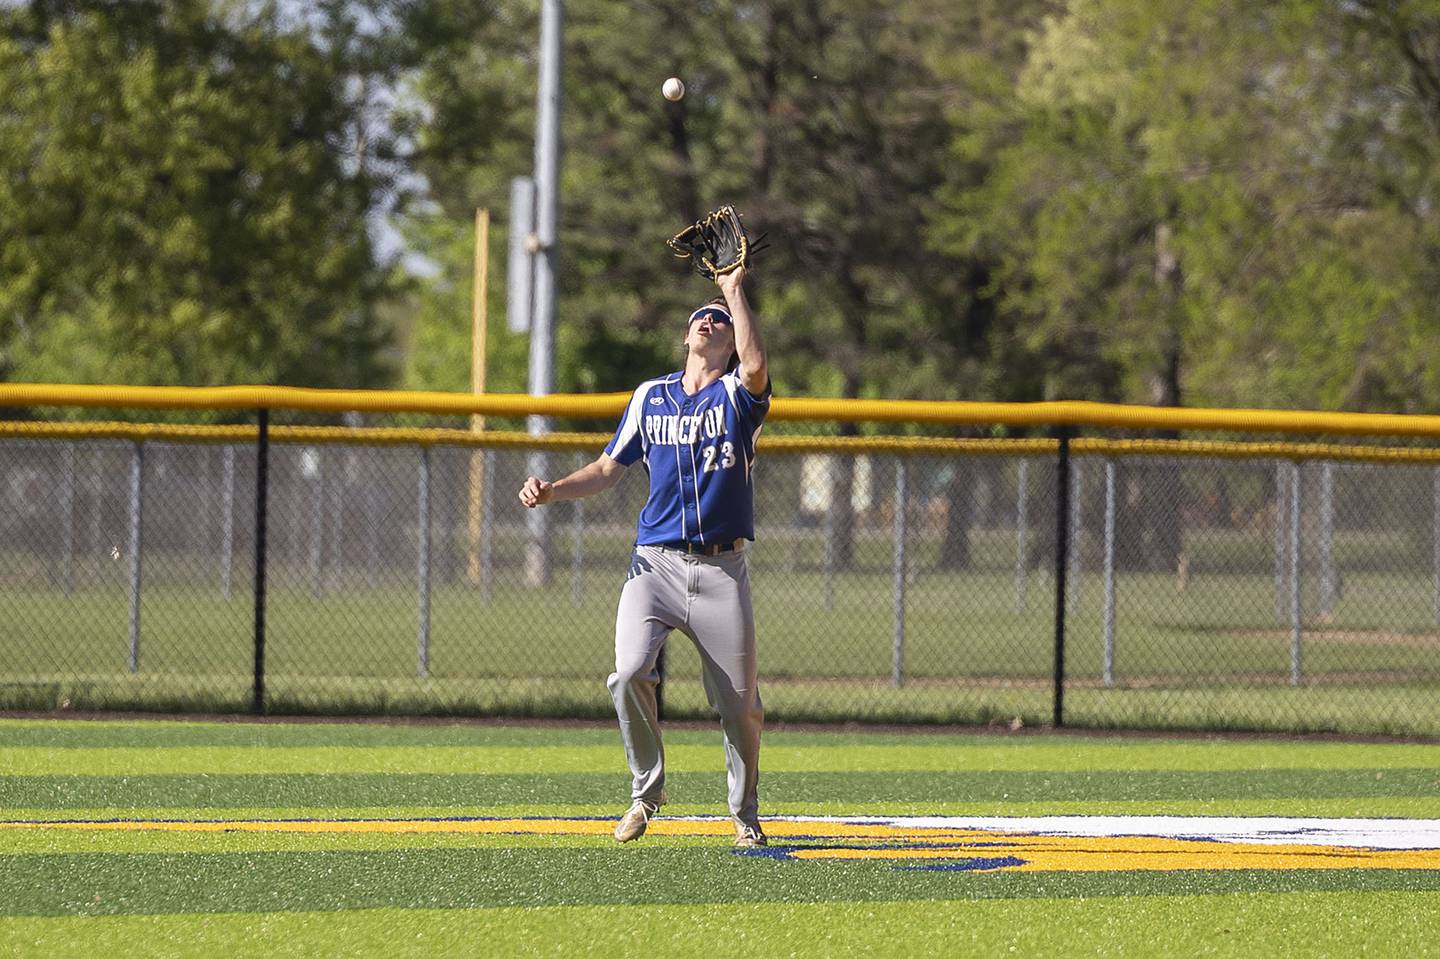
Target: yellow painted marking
(868, 841)
(557, 827)
(1127, 853)
(546, 827)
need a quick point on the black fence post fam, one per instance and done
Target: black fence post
(262, 491)
(1062, 552)
(660, 685)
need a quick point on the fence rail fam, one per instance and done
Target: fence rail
(1079, 580)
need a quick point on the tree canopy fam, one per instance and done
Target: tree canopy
(1210, 202)
(185, 195)
(1206, 202)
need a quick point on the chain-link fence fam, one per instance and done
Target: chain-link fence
(1203, 588)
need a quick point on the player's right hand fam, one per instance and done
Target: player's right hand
(535, 492)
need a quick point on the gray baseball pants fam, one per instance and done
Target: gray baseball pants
(708, 599)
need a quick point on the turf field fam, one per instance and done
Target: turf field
(482, 839)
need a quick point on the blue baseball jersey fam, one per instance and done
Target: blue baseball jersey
(698, 451)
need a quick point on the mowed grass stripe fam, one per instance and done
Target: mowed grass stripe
(1402, 807)
(36, 748)
(252, 760)
(144, 841)
(921, 790)
(562, 758)
(1353, 923)
(162, 733)
(427, 878)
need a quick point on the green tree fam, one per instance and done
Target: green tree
(623, 181)
(186, 197)
(1213, 202)
(823, 122)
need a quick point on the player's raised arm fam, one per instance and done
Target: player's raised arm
(588, 480)
(754, 368)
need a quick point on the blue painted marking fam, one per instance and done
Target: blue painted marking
(966, 865)
(786, 852)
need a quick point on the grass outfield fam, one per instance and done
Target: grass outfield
(956, 625)
(1211, 656)
(78, 891)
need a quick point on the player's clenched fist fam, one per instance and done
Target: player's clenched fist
(535, 492)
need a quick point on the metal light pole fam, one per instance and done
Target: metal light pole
(547, 187)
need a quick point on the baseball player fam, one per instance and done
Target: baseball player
(694, 431)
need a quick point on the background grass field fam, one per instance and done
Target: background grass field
(81, 892)
(972, 644)
(1209, 656)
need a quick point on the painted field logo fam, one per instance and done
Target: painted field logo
(1116, 844)
(951, 844)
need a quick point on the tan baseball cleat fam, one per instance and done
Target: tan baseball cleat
(748, 835)
(633, 824)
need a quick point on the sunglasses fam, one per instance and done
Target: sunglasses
(715, 314)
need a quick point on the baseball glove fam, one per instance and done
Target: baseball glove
(716, 244)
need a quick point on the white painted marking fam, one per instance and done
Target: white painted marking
(1268, 830)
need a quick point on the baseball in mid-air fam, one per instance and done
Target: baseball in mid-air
(673, 89)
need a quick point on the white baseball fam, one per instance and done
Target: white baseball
(114, 552)
(673, 89)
